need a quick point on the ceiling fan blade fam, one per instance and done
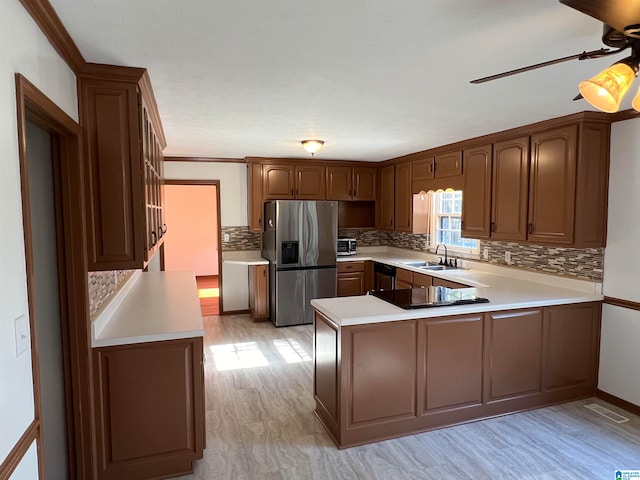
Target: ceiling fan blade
(580, 56)
(623, 15)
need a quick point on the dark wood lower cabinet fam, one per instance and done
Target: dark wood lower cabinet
(149, 408)
(383, 380)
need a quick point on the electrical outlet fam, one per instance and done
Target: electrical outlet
(507, 257)
(485, 253)
(21, 325)
(226, 237)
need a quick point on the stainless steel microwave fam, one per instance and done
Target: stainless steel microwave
(346, 246)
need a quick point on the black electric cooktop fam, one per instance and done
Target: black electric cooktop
(427, 297)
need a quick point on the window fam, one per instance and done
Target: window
(446, 221)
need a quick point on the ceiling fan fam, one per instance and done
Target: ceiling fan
(621, 31)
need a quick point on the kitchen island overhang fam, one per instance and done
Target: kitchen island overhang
(382, 372)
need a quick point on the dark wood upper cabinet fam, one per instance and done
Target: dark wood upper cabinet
(510, 189)
(403, 197)
(552, 185)
(568, 185)
(278, 182)
(448, 164)
(339, 183)
(123, 143)
(309, 182)
(423, 168)
(364, 184)
(476, 192)
(386, 198)
(347, 183)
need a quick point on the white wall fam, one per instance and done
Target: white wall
(24, 50)
(619, 352)
(233, 185)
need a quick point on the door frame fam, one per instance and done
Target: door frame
(215, 183)
(68, 185)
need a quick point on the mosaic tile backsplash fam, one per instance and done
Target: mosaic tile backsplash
(585, 263)
(240, 238)
(102, 286)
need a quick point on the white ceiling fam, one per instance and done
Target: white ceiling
(375, 79)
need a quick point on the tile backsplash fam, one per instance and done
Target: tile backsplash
(587, 263)
(240, 238)
(102, 286)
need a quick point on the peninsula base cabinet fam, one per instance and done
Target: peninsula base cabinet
(149, 400)
(383, 380)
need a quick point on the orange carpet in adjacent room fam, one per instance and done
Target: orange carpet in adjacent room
(209, 293)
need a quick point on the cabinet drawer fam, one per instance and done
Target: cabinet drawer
(348, 267)
(405, 276)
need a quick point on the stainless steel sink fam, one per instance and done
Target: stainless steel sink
(421, 264)
(437, 267)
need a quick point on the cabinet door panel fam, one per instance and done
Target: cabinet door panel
(339, 183)
(515, 352)
(476, 192)
(441, 282)
(423, 168)
(277, 182)
(403, 197)
(570, 345)
(385, 203)
(364, 184)
(310, 183)
(422, 280)
(510, 189)
(150, 409)
(383, 386)
(350, 284)
(448, 164)
(454, 351)
(553, 185)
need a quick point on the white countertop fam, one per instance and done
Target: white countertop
(506, 288)
(244, 257)
(151, 306)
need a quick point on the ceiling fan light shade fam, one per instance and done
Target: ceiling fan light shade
(606, 89)
(312, 146)
(636, 102)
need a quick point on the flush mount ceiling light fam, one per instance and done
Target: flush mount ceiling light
(312, 146)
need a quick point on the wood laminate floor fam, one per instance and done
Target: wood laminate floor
(260, 425)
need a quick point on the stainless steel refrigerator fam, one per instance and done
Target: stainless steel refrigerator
(299, 240)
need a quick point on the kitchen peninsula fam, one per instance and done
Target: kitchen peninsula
(381, 371)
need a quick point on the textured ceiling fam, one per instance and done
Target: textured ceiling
(374, 79)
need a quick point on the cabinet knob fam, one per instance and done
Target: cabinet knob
(164, 228)
(531, 228)
(260, 221)
(154, 238)
(493, 226)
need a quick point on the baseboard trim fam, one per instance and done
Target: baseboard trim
(19, 450)
(235, 312)
(618, 402)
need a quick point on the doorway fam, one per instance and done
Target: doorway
(46, 292)
(192, 212)
(52, 189)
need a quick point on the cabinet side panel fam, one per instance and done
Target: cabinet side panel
(454, 362)
(382, 367)
(569, 356)
(150, 402)
(326, 366)
(515, 352)
(592, 185)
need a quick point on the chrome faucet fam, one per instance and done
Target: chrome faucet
(445, 253)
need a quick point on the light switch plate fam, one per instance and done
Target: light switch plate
(226, 237)
(21, 325)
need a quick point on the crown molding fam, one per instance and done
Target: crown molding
(203, 159)
(47, 19)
